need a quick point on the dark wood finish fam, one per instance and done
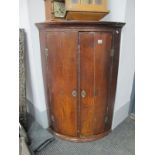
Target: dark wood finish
(80, 58)
(62, 80)
(113, 79)
(82, 139)
(102, 76)
(96, 26)
(86, 41)
(95, 62)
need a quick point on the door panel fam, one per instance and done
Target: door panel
(87, 82)
(62, 81)
(102, 78)
(95, 65)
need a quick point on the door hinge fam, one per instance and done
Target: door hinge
(107, 109)
(106, 119)
(52, 118)
(112, 52)
(46, 53)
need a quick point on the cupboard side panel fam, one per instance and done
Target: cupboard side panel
(114, 74)
(42, 36)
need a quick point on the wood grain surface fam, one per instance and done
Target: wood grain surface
(82, 57)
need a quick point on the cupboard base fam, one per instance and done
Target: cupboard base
(81, 139)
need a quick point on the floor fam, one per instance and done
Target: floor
(121, 141)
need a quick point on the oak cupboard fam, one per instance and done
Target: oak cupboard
(80, 65)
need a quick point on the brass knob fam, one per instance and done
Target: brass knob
(74, 93)
(83, 94)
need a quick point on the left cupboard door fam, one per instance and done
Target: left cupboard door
(62, 81)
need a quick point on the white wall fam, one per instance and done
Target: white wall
(117, 10)
(32, 11)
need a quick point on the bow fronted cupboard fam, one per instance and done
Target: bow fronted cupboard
(80, 66)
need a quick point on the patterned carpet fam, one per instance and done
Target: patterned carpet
(119, 142)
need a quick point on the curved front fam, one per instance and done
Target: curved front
(80, 65)
(81, 138)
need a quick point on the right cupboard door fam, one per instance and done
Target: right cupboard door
(95, 70)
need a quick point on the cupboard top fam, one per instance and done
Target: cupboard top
(79, 24)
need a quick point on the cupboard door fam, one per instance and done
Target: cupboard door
(95, 63)
(62, 81)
